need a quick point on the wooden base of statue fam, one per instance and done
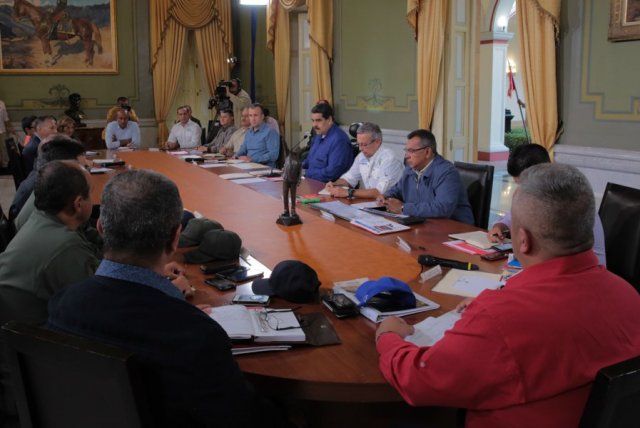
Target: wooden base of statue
(289, 219)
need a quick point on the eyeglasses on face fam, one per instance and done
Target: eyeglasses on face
(412, 151)
(363, 145)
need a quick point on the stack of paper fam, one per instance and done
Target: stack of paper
(477, 239)
(432, 329)
(261, 325)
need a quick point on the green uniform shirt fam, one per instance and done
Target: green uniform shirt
(42, 258)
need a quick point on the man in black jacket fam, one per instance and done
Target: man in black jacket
(190, 372)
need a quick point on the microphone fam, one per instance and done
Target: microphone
(427, 260)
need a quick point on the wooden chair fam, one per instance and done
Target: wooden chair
(478, 181)
(614, 398)
(620, 215)
(66, 381)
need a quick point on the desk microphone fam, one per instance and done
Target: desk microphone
(427, 260)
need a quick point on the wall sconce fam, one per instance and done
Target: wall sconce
(254, 2)
(502, 23)
(511, 65)
(232, 60)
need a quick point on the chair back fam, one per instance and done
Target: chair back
(66, 381)
(620, 216)
(7, 230)
(478, 181)
(614, 398)
(15, 161)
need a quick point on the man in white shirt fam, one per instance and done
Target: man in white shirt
(186, 133)
(375, 167)
(122, 132)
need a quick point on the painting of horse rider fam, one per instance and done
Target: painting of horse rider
(58, 36)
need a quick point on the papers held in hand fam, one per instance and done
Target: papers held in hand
(261, 325)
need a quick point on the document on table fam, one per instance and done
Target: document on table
(249, 165)
(235, 175)
(432, 329)
(467, 283)
(211, 165)
(248, 180)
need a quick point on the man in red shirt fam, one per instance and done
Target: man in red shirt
(527, 354)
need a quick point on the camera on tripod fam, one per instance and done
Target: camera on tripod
(220, 100)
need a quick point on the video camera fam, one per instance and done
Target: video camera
(220, 100)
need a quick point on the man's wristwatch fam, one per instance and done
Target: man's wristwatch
(350, 191)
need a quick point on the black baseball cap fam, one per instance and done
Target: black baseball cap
(292, 280)
(216, 245)
(194, 232)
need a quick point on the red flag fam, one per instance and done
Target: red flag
(512, 84)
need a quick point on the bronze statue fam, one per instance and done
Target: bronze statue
(291, 175)
(74, 111)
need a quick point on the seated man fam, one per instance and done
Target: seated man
(527, 354)
(430, 186)
(49, 252)
(224, 133)
(235, 141)
(186, 133)
(54, 147)
(121, 103)
(376, 167)
(44, 126)
(520, 159)
(331, 154)
(261, 143)
(122, 132)
(193, 378)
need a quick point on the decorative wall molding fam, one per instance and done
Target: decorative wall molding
(602, 165)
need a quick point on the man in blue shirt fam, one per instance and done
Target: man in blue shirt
(331, 153)
(261, 143)
(430, 186)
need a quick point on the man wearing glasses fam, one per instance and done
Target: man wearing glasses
(375, 167)
(430, 186)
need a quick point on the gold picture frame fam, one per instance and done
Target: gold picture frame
(58, 37)
(624, 21)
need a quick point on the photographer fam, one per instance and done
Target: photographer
(238, 97)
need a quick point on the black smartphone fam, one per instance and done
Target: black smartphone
(219, 266)
(220, 284)
(251, 299)
(503, 247)
(340, 305)
(241, 274)
(498, 255)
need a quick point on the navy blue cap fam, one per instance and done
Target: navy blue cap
(292, 280)
(386, 294)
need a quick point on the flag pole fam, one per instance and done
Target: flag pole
(515, 88)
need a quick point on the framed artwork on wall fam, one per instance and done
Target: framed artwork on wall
(58, 37)
(624, 21)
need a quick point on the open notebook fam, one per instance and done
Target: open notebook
(261, 325)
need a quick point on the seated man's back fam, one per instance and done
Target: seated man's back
(186, 356)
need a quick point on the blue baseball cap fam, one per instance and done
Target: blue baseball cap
(386, 294)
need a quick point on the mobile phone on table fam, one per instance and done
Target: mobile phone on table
(220, 284)
(498, 255)
(241, 274)
(251, 299)
(503, 247)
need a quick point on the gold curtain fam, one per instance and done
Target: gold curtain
(321, 36)
(170, 20)
(279, 42)
(538, 30)
(428, 19)
(215, 45)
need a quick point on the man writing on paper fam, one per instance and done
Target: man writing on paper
(376, 167)
(192, 377)
(430, 186)
(527, 354)
(520, 159)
